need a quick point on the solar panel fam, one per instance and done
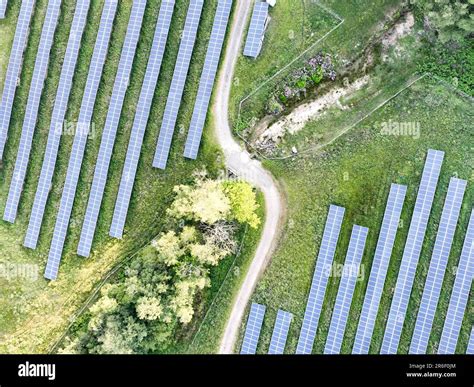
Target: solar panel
(32, 106)
(256, 32)
(460, 294)
(280, 333)
(3, 8)
(252, 331)
(412, 251)
(56, 126)
(439, 261)
(177, 84)
(14, 69)
(379, 269)
(208, 77)
(320, 280)
(141, 118)
(110, 128)
(346, 290)
(470, 346)
(82, 132)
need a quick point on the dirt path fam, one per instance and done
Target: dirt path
(239, 161)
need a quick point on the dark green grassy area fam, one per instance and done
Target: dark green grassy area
(355, 172)
(35, 312)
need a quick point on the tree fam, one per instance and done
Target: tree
(452, 20)
(243, 202)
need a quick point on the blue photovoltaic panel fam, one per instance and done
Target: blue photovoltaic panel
(80, 138)
(14, 69)
(383, 252)
(439, 261)
(459, 295)
(3, 8)
(470, 346)
(252, 331)
(141, 119)
(256, 33)
(110, 128)
(411, 254)
(345, 292)
(32, 106)
(280, 333)
(208, 77)
(56, 126)
(320, 279)
(177, 85)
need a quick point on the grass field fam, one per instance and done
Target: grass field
(355, 171)
(34, 313)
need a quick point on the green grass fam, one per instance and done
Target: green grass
(34, 313)
(356, 172)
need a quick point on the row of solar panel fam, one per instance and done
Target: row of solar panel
(254, 326)
(115, 108)
(434, 281)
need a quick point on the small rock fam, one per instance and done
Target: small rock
(294, 150)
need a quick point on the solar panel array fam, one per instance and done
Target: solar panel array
(280, 333)
(412, 251)
(110, 128)
(460, 294)
(56, 126)
(320, 279)
(208, 77)
(379, 269)
(252, 331)
(14, 69)
(346, 290)
(256, 32)
(439, 261)
(82, 132)
(470, 346)
(32, 107)
(3, 8)
(141, 118)
(177, 84)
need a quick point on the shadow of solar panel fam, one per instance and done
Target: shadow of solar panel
(459, 294)
(14, 69)
(56, 126)
(345, 292)
(255, 35)
(80, 138)
(439, 261)
(252, 331)
(320, 280)
(411, 254)
(208, 77)
(141, 118)
(180, 74)
(31, 113)
(383, 252)
(110, 128)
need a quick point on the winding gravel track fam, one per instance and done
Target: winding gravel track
(239, 161)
